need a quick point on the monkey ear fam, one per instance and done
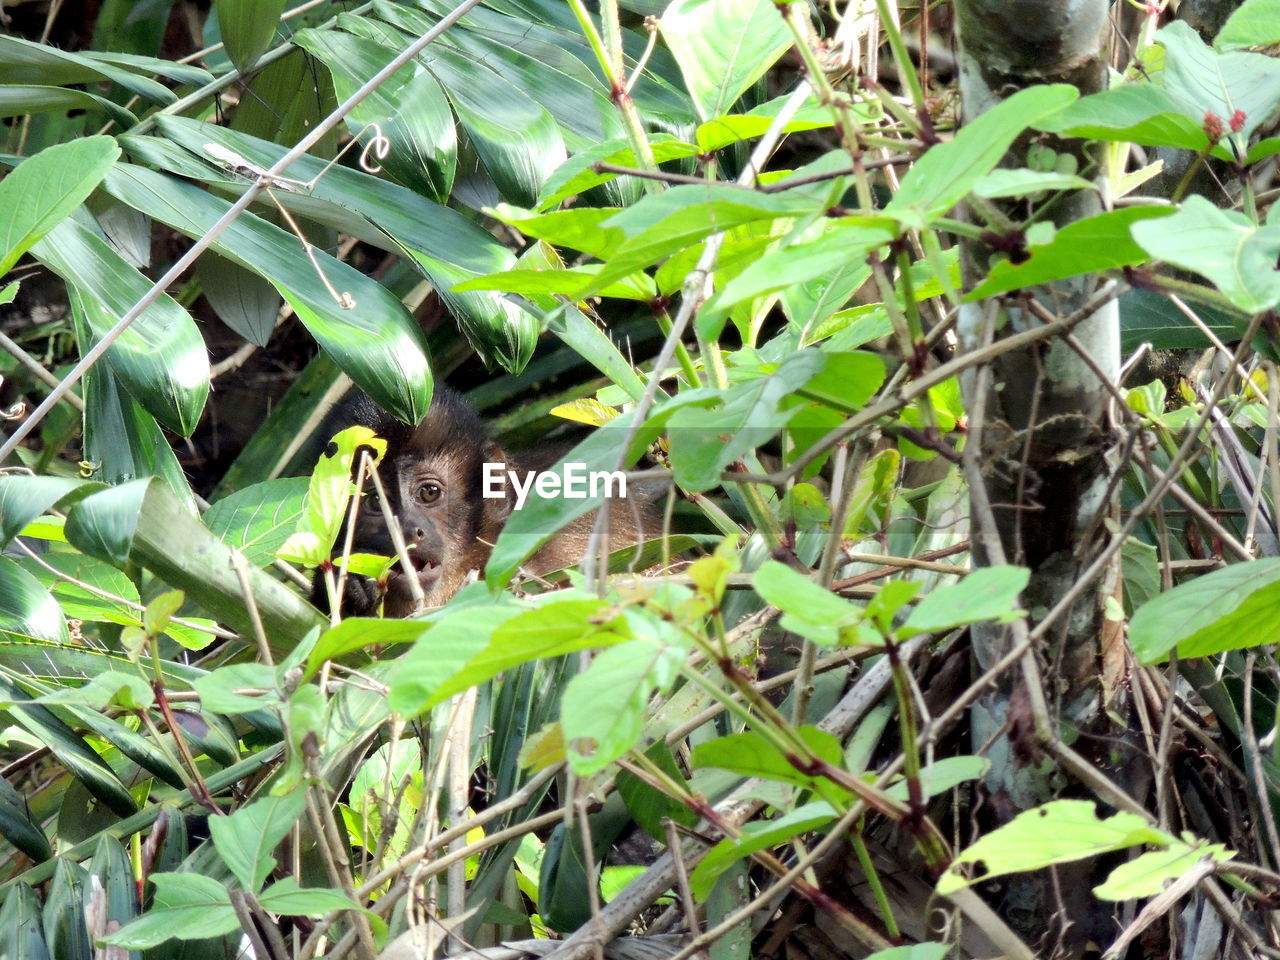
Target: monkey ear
(497, 509)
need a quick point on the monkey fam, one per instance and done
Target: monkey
(434, 479)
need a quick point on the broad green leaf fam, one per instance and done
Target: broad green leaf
(441, 653)
(723, 46)
(26, 609)
(123, 442)
(245, 839)
(359, 633)
(27, 62)
(705, 439)
(324, 509)
(1202, 80)
(1022, 182)
(443, 244)
(112, 688)
(564, 625)
(1101, 242)
(1229, 609)
(67, 745)
(649, 805)
(577, 175)
(23, 498)
(161, 357)
(942, 775)
(410, 109)
(808, 609)
(756, 836)
(218, 689)
(377, 342)
(17, 100)
(843, 244)
(1149, 316)
(847, 380)
(915, 951)
(516, 138)
(1224, 246)
(17, 826)
(142, 523)
(989, 593)
(1136, 112)
(1146, 875)
(258, 519)
(113, 870)
(244, 301)
(664, 223)
(247, 28)
(751, 754)
(20, 933)
(1255, 23)
(1062, 831)
(188, 906)
(604, 707)
(43, 190)
(941, 178)
(64, 912)
(286, 897)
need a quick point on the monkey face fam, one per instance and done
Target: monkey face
(447, 527)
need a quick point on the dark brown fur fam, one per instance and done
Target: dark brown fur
(432, 475)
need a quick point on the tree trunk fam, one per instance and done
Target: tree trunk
(1040, 427)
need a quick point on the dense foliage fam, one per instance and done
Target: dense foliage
(712, 237)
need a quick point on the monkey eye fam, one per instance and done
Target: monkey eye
(429, 492)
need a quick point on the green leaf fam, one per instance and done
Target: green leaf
(841, 245)
(17, 827)
(1100, 242)
(442, 652)
(20, 935)
(141, 522)
(161, 357)
(1022, 182)
(218, 689)
(723, 47)
(42, 191)
(17, 100)
(1234, 608)
(286, 897)
(564, 624)
(377, 343)
(358, 633)
(443, 244)
(1146, 875)
(245, 839)
(1224, 246)
(915, 951)
(1059, 832)
(188, 906)
(23, 498)
(1255, 23)
(757, 836)
(244, 301)
(812, 611)
(113, 688)
(1149, 316)
(258, 519)
(64, 912)
(324, 510)
(1136, 112)
(26, 609)
(23, 61)
(948, 171)
(989, 593)
(705, 439)
(68, 746)
(247, 28)
(410, 108)
(604, 707)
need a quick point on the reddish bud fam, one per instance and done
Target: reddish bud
(1213, 125)
(1237, 121)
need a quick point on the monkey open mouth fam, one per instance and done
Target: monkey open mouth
(428, 570)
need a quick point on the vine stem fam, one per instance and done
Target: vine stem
(187, 259)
